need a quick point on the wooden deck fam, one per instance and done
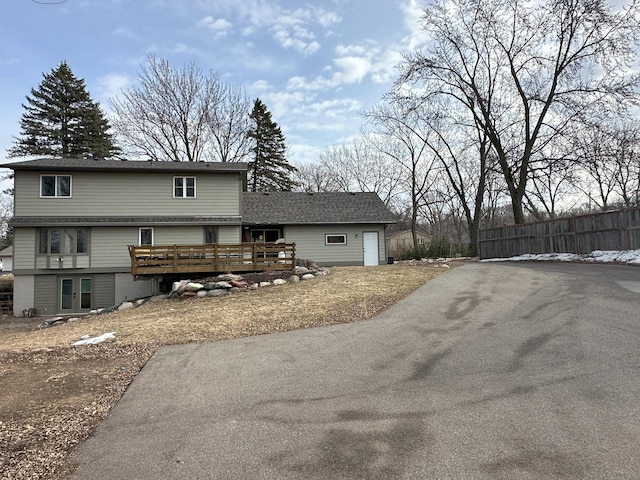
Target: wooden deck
(222, 258)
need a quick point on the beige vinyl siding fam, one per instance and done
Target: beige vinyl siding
(23, 293)
(229, 234)
(310, 243)
(180, 235)
(46, 291)
(112, 194)
(109, 246)
(24, 248)
(104, 287)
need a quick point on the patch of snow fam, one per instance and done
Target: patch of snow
(86, 340)
(631, 257)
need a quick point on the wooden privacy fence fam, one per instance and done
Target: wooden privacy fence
(244, 257)
(614, 230)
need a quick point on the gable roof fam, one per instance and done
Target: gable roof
(295, 208)
(83, 164)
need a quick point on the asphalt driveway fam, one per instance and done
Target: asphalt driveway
(489, 371)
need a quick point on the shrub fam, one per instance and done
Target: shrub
(437, 248)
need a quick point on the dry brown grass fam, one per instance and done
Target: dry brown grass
(347, 294)
(52, 395)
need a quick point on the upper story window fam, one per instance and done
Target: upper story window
(184, 187)
(55, 185)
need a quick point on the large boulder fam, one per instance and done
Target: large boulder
(227, 277)
(193, 287)
(218, 292)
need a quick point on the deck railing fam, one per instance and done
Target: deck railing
(210, 258)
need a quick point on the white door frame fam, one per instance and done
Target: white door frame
(370, 248)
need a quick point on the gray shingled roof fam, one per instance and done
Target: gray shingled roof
(120, 221)
(318, 208)
(81, 164)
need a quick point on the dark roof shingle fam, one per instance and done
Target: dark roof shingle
(121, 221)
(317, 208)
(82, 164)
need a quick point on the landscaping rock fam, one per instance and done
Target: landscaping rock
(223, 284)
(202, 293)
(227, 277)
(234, 290)
(279, 281)
(264, 284)
(125, 306)
(217, 292)
(308, 276)
(180, 287)
(238, 283)
(300, 270)
(193, 287)
(294, 279)
(188, 294)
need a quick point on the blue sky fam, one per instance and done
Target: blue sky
(316, 65)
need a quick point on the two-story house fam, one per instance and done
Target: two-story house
(75, 221)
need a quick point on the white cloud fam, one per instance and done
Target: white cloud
(295, 29)
(352, 69)
(109, 86)
(219, 26)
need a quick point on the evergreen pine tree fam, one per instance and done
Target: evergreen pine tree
(269, 169)
(61, 120)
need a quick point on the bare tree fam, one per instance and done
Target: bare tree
(228, 123)
(524, 70)
(311, 177)
(181, 114)
(595, 153)
(461, 151)
(359, 166)
(552, 183)
(608, 155)
(398, 137)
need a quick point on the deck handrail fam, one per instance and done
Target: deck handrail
(210, 258)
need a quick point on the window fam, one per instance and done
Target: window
(210, 234)
(184, 187)
(85, 293)
(68, 241)
(146, 236)
(55, 185)
(265, 235)
(332, 239)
